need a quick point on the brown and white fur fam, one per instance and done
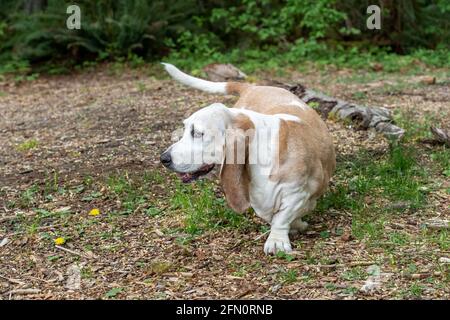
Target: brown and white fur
(302, 145)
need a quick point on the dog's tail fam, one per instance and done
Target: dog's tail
(204, 85)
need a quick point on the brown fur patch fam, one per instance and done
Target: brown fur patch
(306, 147)
(236, 88)
(235, 176)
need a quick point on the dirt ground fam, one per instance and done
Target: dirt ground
(62, 138)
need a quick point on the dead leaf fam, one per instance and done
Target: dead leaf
(74, 277)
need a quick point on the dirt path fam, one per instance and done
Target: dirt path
(69, 144)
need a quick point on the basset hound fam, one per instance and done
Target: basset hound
(275, 152)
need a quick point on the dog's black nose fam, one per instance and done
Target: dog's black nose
(166, 159)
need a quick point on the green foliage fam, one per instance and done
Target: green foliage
(271, 21)
(109, 29)
(256, 33)
(204, 210)
(113, 293)
(130, 193)
(28, 145)
(371, 187)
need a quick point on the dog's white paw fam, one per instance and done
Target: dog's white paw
(277, 243)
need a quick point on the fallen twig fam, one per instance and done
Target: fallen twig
(261, 235)
(340, 265)
(7, 218)
(74, 252)
(12, 280)
(437, 224)
(24, 291)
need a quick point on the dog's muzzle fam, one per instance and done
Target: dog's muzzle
(186, 177)
(166, 159)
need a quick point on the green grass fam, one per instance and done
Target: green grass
(113, 293)
(356, 273)
(416, 128)
(28, 145)
(289, 276)
(28, 197)
(415, 290)
(441, 157)
(319, 57)
(131, 193)
(203, 209)
(374, 188)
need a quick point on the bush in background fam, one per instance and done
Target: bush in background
(33, 32)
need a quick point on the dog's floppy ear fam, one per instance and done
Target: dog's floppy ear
(234, 173)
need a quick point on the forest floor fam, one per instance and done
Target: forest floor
(91, 140)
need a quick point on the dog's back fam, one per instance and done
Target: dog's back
(309, 139)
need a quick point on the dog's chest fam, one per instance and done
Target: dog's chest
(265, 197)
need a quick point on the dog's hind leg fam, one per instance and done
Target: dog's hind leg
(298, 226)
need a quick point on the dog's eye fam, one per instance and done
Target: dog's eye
(196, 134)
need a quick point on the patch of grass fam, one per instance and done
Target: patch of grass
(440, 238)
(153, 211)
(113, 293)
(28, 145)
(416, 128)
(241, 271)
(370, 187)
(52, 185)
(28, 197)
(289, 276)
(159, 267)
(359, 95)
(93, 195)
(442, 158)
(399, 238)
(141, 86)
(356, 273)
(415, 290)
(324, 234)
(285, 256)
(129, 192)
(87, 273)
(330, 286)
(154, 177)
(54, 258)
(350, 290)
(203, 209)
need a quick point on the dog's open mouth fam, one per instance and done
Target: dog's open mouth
(187, 177)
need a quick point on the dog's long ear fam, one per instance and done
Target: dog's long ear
(234, 173)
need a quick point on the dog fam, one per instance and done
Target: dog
(280, 176)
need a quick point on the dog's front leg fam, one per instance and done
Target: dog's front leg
(278, 239)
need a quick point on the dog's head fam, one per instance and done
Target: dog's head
(214, 135)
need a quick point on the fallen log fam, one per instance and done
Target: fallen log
(223, 72)
(440, 135)
(362, 117)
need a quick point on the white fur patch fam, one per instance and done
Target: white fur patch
(300, 104)
(287, 117)
(200, 84)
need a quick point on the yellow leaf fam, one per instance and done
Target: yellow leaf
(59, 241)
(94, 212)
